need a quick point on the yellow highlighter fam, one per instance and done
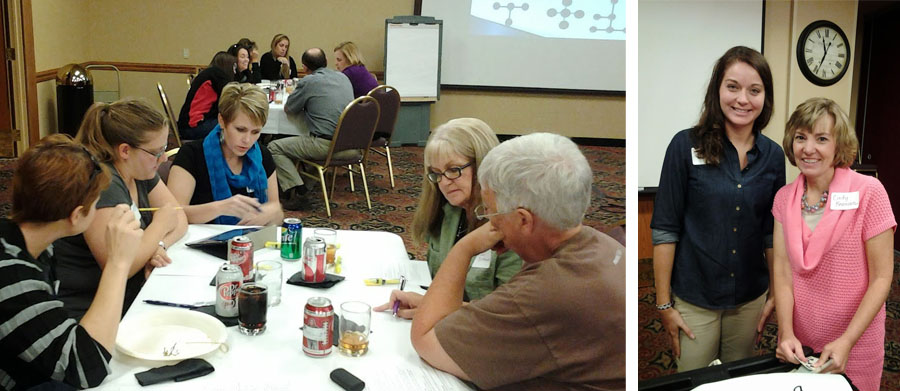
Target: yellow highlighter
(381, 281)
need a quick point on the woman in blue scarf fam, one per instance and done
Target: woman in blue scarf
(226, 178)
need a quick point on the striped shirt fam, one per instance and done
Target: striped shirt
(39, 342)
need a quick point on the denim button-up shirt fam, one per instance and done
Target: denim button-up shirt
(720, 217)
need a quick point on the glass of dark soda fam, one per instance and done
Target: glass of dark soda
(252, 307)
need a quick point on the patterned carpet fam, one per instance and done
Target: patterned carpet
(393, 209)
(655, 355)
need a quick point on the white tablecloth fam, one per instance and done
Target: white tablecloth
(274, 360)
(280, 123)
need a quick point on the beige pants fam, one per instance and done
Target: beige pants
(728, 335)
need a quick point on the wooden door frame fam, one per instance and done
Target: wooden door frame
(24, 83)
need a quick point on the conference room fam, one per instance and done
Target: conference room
(506, 66)
(722, 287)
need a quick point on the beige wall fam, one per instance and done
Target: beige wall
(785, 20)
(158, 32)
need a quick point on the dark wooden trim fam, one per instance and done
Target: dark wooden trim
(31, 100)
(417, 7)
(43, 76)
(50, 74)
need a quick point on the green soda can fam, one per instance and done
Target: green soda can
(291, 237)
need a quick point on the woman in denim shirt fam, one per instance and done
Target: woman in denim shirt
(712, 225)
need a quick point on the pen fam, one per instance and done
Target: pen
(169, 304)
(397, 302)
(155, 209)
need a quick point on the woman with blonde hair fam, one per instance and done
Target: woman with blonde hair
(450, 205)
(277, 63)
(834, 241)
(227, 178)
(130, 138)
(349, 60)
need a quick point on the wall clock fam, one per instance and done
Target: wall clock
(823, 53)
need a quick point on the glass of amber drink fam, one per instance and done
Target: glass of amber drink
(356, 317)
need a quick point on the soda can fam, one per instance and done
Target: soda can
(271, 94)
(240, 253)
(318, 322)
(228, 281)
(314, 260)
(291, 236)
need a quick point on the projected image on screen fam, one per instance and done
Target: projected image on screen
(599, 19)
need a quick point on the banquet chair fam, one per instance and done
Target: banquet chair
(353, 132)
(389, 101)
(173, 123)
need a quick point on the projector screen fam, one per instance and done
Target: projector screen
(680, 41)
(552, 44)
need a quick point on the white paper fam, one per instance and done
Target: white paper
(780, 381)
(406, 377)
(845, 201)
(482, 261)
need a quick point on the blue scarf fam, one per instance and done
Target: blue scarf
(221, 179)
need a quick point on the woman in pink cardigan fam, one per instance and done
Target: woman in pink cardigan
(833, 242)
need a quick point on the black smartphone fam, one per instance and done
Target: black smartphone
(346, 380)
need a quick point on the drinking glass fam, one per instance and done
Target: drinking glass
(330, 238)
(252, 308)
(270, 274)
(356, 317)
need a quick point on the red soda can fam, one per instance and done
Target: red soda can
(228, 281)
(318, 321)
(240, 252)
(314, 260)
(272, 94)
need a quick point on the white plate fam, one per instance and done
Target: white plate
(148, 334)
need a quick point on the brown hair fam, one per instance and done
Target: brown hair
(54, 177)
(106, 126)
(807, 114)
(467, 137)
(707, 134)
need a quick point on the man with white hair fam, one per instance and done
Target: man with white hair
(560, 322)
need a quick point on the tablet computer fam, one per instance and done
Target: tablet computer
(217, 245)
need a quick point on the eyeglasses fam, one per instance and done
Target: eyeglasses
(157, 155)
(480, 215)
(451, 173)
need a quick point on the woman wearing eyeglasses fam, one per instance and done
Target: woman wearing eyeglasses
(449, 204)
(130, 137)
(54, 189)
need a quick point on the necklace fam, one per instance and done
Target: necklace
(813, 208)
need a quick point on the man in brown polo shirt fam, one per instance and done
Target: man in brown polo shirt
(560, 322)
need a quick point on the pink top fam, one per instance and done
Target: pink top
(830, 269)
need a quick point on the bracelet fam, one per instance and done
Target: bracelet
(163, 245)
(665, 306)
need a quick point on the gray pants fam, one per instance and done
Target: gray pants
(290, 149)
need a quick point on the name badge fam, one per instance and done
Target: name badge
(845, 201)
(696, 159)
(482, 261)
(137, 213)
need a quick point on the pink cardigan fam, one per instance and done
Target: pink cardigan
(830, 269)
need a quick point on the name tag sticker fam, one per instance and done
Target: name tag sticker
(483, 260)
(845, 201)
(696, 159)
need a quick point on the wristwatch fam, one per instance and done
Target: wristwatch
(665, 306)
(163, 245)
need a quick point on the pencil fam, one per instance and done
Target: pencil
(155, 209)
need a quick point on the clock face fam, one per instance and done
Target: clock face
(824, 53)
